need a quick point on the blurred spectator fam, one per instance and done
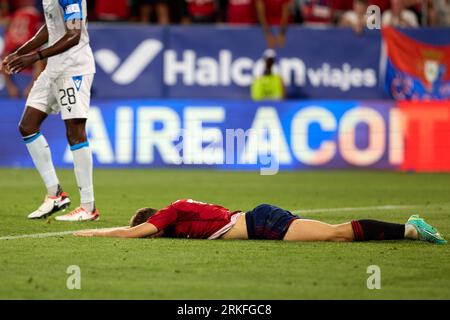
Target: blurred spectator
(322, 12)
(398, 16)
(12, 5)
(317, 12)
(241, 12)
(382, 4)
(4, 12)
(7, 8)
(107, 10)
(202, 11)
(356, 18)
(24, 24)
(153, 10)
(439, 13)
(340, 7)
(416, 6)
(268, 86)
(274, 13)
(179, 12)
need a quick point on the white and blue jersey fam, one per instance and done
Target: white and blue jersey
(65, 84)
(78, 60)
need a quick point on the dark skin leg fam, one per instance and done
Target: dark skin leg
(75, 131)
(31, 121)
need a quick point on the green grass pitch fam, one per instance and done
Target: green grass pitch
(199, 269)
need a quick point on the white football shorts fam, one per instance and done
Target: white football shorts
(69, 95)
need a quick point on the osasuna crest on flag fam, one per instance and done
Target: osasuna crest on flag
(415, 70)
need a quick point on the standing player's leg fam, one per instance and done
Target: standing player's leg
(82, 161)
(39, 104)
(38, 147)
(74, 103)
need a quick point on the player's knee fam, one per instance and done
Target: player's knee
(75, 136)
(340, 233)
(74, 139)
(333, 234)
(26, 130)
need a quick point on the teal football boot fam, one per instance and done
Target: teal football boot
(425, 231)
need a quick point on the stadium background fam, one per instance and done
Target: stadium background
(154, 81)
(178, 72)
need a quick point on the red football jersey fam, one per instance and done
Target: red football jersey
(274, 10)
(112, 10)
(201, 8)
(383, 4)
(318, 11)
(191, 219)
(25, 22)
(241, 12)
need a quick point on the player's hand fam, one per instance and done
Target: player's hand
(19, 63)
(9, 58)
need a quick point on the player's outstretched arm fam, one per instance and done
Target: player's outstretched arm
(143, 230)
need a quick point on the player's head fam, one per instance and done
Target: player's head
(360, 6)
(269, 59)
(397, 6)
(141, 216)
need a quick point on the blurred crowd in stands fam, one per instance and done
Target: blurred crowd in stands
(23, 18)
(271, 12)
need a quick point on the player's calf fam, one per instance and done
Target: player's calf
(415, 229)
(366, 230)
(83, 167)
(341, 233)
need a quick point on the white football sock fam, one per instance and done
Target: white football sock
(54, 190)
(411, 232)
(42, 158)
(83, 166)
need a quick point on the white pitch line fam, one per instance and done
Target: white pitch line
(64, 233)
(385, 207)
(45, 235)
(38, 235)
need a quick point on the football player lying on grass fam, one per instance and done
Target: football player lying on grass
(199, 220)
